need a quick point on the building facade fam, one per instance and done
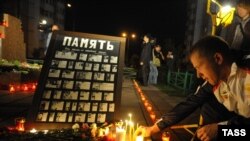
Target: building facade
(36, 17)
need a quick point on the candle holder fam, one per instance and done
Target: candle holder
(20, 124)
(165, 136)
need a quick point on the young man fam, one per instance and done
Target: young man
(213, 62)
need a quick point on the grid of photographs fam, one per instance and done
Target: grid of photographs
(80, 87)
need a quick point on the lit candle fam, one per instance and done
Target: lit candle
(152, 116)
(126, 125)
(120, 134)
(139, 138)
(33, 131)
(165, 136)
(20, 124)
(149, 108)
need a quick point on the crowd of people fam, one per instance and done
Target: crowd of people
(151, 58)
(223, 98)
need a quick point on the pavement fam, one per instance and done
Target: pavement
(132, 102)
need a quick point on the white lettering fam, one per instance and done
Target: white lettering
(236, 132)
(75, 42)
(87, 43)
(109, 46)
(101, 43)
(243, 132)
(93, 44)
(67, 41)
(224, 132)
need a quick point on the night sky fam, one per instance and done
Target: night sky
(163, 19)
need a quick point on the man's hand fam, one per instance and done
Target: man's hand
(147, 131)
(207, 132)
(144, 131)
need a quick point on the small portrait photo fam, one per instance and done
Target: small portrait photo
(91, 117)
(67, 84)
(70, 95)
(84, 95)
(106, 59)
(82, 85)
(57, 105)
(94, 58)
(61, 117)
(62, 64)
(96, 96)
(52, 83)
(74, 106)
(55, 63)
(88, 66)
(86, 106)
(114, 59)
(111, 107)
(68, 74)
(103, 86)
(42, 116)
(51, 117)
(114, 68)
(110, 77)
(83, 57)
(101, 118)
(83, 75)
(44, 105)
(54, 73)
(67, 106)
(70, 117)
(94, 107)
(79, 65)
(46, 94)
(99, 76)
(80, 117)
(103, 107)
(96, 67)
(70, 64)
(57, 94)
(108, 96)
(105, 67)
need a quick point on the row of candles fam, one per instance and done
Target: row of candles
(146, 102)
(149, 108)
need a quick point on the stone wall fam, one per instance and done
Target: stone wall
(13, 46)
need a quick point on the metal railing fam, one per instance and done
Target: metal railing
(181, 80)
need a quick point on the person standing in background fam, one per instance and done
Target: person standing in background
(170, 60)
(145, 58)
(237, 33)
(54, 27)
(153, 74)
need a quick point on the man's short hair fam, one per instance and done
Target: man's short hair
(209, 45)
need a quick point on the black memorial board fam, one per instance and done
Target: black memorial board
(80, 81)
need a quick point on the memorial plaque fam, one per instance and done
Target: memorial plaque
(80, 81)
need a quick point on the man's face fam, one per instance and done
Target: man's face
(205, 68)
(242, 12)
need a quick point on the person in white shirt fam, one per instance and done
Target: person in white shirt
(214, 63)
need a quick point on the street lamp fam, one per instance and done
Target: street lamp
(224, 17)
(128, 36)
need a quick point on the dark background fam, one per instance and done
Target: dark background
(163, 19)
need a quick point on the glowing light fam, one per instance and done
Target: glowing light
(33, 131)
